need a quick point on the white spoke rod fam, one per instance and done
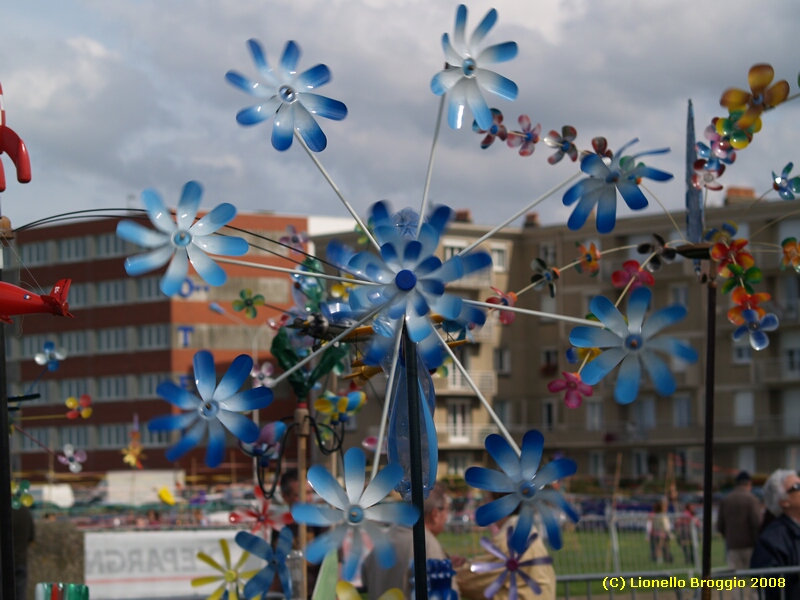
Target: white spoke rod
(376, 461)
(537, 313)
(244, 263)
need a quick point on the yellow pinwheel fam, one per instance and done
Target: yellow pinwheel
(340, 408)
(232, 577)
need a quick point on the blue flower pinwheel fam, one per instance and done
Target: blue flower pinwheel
(218, 406)
(260, 583)
(756, 328)
(355, 510)
(512, 566)
(463, 75)
(50, 357)
(411, 281)
(786, 187)
(287, 96)
(632, 343)
(524, 483)
(182, 241)
(600, 188)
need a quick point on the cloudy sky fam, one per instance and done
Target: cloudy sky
(115, 97)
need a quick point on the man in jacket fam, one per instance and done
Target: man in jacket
(779, 543)
(739, 521)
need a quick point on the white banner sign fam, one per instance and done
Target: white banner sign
(156, 564)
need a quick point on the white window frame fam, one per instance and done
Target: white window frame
(594, 415)
(112, 388)
(682, 411)
(73, 249)
(113, 339)
(111, 292)
(744, 408)
(78, 436)
(459, 420)
(154, 337)
(499, 254)
(549, 414)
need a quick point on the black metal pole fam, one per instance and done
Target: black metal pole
(708, 457)
(6, 534)
(415, 443)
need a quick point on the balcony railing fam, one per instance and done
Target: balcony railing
(482, 279)
(776, 370)
(465, 435)
(456, 383)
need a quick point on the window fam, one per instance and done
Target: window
(108, 244)
(594, 416)
(743, 408)
(742, 352)
(502, 408)
(679, 294)
(458, 462)
(792, 360)
(34, 254)
(747, 459)
(72, 249)
(111, 292)
(114, 339)
(459, 420)
(40, 434)
(113, 436)
(77, 436)
(79, 295)
(547, 304)
(597, 464)
(112, 388)
(547, 252)
(147, 288)
(639, 463)
(452, 247)
(644, 412)
(31, 344)
(149, 383)
(502, 361)
(549, 364)
(681, 410)
(73, 387)
(74, 342)
(154, 439)
(793, 457)
(43, 388)
(548, 415)
(791, 292)
(154, 336)
(499, 259)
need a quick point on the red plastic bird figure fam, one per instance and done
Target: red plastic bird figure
(17, 301)
(11, 144)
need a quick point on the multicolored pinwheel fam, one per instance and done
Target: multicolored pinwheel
(261, 520)
(268, 445)
(294, 240)
(50, 356)
(464, 75)
(409, 282)
(262, 376)
(564, 143)
(497, 129)
(231, 576)
(79, 407)
(20, 494)
(731, 134)
(506, 317)
(287, 95)
(523, 482)
(756, 326)
(182, 241)
(512, 566)
(786, 187)
(574, 386)
(72, 458)
(355, 510)
(633, 343)
(791, 254)
(339, 408)
(631, 276)
(544, 276)
(761, 95)
(588, 259)
(218, 408)
(660, 251)
(741, 277)
(705, 178)
(525, 139)
(261, 582)
(248, 302)
(600, 188)
(745, 301)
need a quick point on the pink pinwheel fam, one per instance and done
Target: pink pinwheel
(704, 177)
(576, 389)
(527, 138)
(74, 459)
(564, 144)
(600, 147)
(505, 299)
(761, 95)
(719, 146)
(263, 519)
(262, 375)
(496, 130)
(294, 239)
(632, 275)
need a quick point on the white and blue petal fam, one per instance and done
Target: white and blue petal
(141, 235)
(355, 469)
(223, 245)
(205, 377)
(316, 516)
(188, 204)
(239, 425)
(176, 273)
(503, 454)
(662, 318)
(172, 422)
(218, 217)
(215, 448)
(659, 373)
(158, 213)
(327, 487)
(497, 509)
(234, 378)
(188, 441)
(489, 479)
(383, 483)
(628, 379)
(322, 544)
(595, 370)
(323, 106)
(531, 455)
(177, 396)
(609, 315)
(396, 513)
(208, 270)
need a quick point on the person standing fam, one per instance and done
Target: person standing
(739, 521)
(23, 531)
(779, 543)
(378, 580)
